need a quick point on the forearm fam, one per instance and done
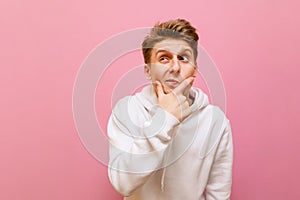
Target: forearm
(127, 172)
(133, 159)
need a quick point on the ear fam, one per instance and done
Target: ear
(196, 69)
(147, 71)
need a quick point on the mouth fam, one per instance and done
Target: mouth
(172, 83)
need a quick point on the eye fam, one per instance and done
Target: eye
(184, 58)
(164, 59)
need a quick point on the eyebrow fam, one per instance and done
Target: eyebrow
(164, 50)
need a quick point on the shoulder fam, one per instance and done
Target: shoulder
(128, 105)
(216, 124)
(123, 102)
(138, 102)
(217, 115)
(130, 109)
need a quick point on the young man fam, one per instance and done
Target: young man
(168, 142)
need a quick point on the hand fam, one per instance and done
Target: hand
(175, 102)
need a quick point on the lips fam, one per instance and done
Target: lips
(172, 82)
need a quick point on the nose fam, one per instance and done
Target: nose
(175, 66)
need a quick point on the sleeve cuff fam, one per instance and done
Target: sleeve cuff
(160, 124)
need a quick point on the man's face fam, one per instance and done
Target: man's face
(171, 62)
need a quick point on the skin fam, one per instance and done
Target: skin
(172, 70)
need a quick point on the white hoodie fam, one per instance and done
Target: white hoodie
(155, 157)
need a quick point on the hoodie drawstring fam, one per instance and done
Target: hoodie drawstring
(165, 163)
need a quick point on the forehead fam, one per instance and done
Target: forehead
(172, 45)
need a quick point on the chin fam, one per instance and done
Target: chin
(167, 89)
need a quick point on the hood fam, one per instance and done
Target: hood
(201, 99)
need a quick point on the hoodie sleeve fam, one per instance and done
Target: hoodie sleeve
(220, 178)
(137, 150)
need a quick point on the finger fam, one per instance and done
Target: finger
(183, 85)
(181, 98)
(184, 111)
(159, 89)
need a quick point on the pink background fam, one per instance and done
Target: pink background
(254, 43)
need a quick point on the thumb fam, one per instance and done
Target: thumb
(183, 85)
(158, 88)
